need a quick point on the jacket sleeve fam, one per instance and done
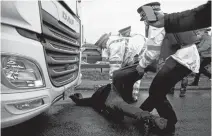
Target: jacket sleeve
(152, 51)
(205, 44)
(196, 18)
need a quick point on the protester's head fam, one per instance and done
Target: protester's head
(102, 41)
(154, 5)
(125, 31)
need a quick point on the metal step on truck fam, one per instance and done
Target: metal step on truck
(40, 56)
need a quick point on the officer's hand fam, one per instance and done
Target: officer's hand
(135, 59)
(140, 70)
(160, 20)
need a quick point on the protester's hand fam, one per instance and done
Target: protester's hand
(160, 20)
(140, 70)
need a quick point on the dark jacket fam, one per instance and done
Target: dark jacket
(174, 41)
(196, 18)
(204, 47)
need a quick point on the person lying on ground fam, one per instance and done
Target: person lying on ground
(108, 101)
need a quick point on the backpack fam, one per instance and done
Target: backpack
(174, 41)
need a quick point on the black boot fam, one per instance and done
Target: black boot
(76, 97)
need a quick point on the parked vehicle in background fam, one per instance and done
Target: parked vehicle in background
(91, 54)
(40, 56)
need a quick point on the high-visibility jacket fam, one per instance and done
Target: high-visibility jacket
(187, 55)
(114, 52)
(120, 52)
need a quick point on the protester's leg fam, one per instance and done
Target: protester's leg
(80, 101)
(166, 78)
(117, 104)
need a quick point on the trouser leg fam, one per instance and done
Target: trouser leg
(113, 67)
(82, 101)
(116, 103)
(196, 78)
(202, 70)
(166, 78)
(124, 80)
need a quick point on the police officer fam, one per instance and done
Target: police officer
(120, 51)
(181, 57)
(135, 44)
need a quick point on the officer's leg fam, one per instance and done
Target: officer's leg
(166, 78)
(124, 80)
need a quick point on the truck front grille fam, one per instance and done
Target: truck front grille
(62, 51)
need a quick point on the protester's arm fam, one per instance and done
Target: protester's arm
(196, 18)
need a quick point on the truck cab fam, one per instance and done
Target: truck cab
(40, 56)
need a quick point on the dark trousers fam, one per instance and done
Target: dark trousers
(165, 79)
(203, 70)
(124, 79)
(113, 106)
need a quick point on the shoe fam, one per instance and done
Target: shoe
(182, 92)
(75, 97)
(168, 131)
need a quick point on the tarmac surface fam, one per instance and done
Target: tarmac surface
(66, 119)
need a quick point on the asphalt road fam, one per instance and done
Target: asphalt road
(66, 119)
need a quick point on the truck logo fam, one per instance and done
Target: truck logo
(67, 18)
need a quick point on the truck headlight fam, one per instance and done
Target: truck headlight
(21, 73)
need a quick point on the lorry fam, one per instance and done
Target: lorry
(40, 56)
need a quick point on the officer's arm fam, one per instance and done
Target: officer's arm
(152, 51)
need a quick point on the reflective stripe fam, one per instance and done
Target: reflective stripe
(119, 40)
(147, 57)
(115, 62)
(152, 47)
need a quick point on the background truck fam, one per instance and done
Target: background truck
(40, 56)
